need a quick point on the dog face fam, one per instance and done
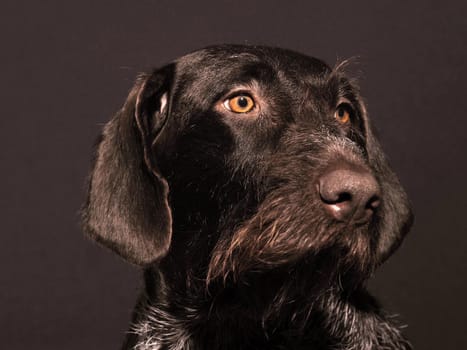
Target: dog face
(239, 158)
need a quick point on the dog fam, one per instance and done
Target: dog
(249, 185)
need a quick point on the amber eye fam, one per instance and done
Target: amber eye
(342, 113)
(240, 104)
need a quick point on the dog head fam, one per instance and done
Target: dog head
(246, 158)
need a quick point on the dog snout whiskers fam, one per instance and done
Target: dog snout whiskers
(349, 195)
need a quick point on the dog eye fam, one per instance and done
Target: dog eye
(240, 104)
(343, 113)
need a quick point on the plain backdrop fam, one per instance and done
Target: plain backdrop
(66, 67)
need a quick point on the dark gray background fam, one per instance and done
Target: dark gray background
(66, 68)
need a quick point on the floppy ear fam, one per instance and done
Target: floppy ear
(397, 214)
(127, 208)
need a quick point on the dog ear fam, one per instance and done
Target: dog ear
(397, 218)
(127, 207)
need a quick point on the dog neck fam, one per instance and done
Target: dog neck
(190, 317)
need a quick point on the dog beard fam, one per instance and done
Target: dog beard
(284, 232)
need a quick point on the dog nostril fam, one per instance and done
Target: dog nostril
(344, 197)
(339, 205)
(349, 194)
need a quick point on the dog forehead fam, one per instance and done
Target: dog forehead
(222, 65)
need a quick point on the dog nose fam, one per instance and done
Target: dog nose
(349, 194)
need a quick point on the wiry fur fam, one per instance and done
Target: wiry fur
(277, 233)
(224, 211)
(355, 328)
